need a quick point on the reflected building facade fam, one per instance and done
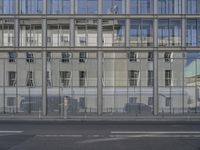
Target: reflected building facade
(100, 57)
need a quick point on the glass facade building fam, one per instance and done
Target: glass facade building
(100, 57)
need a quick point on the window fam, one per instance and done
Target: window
(30, 80)
(169, 33)
(133, 56)
(141, 6)
(29, 57)
(58, 6)
(12, 56)
(66, 57)
(31, 6)
(82, 78)
(133, 76)
(169, 6)
(82, 102)
(168, 77)
(82, 57)
(11, 78)
(167, 101)
(11, 101)
(168, 56)
(132, 100)
(113, 6)
(65, 77)
(150, 77)
(86, 6)
(141, 33)
(150, 101)
(150, 56)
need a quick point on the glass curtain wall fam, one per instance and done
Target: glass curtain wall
(113, 33)
(193, 32)
(169, 6)
(31, 6)
(30, 33)
(169, 32)
(7, 32)
(86, 6)
(141, 33)
(113, 6)
(7, 6)
(193, 6)
(58, 6)
(86, 32)
(58, 33)
(141, 6)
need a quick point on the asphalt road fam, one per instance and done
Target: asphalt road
(99, 136)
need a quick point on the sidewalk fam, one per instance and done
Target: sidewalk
(186, 118)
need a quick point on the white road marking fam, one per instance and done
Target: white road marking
(155, 132)
(155, 135)
(13, 132)
(59, 135)
(101, 140)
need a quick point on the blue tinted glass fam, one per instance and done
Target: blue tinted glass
(134, 6)
(191, 38)
(31, 6)
(86, 6)
(113, 6)
(58, 6)
(192, 6)
(9, 6)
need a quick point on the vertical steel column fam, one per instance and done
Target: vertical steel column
(99, 64)
(127, 41)
(72, 33)
(72, 6)
(155, 68)
(44, 60)
(127, 6)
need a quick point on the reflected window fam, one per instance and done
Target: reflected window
(82, 78)
(168, 77)
(141, 6)
(86, 32)
(65, 77)
(82, 103)
(30, 33)
(193, 6)
(58, 33)
(113, 33)
(49, 82)
(150, 101)
(168, 56)
(133, 76)
(11, 101)
(58, 6)
(169, 33)
(169, 6)
(7, 32)
(82, 57)
(167, 101)
(150, 78)
(133, 56)
(113, 6)
(12, 56)
(48, 56)
(29, 57)
(30, 79)
(132, 100)
(11, 78)
(31, 6)
(86, 6)
(66, 57)
(141, 33)
(150, 56)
